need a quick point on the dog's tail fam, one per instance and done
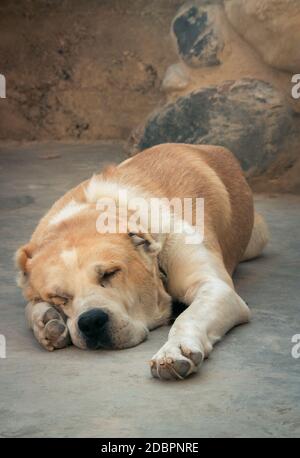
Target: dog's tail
(259, 238)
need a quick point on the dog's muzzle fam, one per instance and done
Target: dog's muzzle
(93, 326)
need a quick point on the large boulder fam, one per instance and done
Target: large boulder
(249, 117)
(197, 34)
(272, 27)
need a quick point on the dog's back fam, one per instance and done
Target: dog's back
(181, 170)
(210, 172)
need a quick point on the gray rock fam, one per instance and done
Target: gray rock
(176, 78)
(249, 117)
(197, 35)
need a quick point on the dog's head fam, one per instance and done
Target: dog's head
(108, 285)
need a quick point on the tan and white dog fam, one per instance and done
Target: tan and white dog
(110, 289)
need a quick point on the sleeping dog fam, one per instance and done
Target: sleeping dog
(100, 288)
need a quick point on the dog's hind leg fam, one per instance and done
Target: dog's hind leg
(48, 325)
(259, 238)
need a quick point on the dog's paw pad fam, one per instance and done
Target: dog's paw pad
(175, 361)
(195, 356)
(57, 334)
(54, 329)
(51, 314)
(51, 330)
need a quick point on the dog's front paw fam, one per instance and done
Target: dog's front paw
(176, 360)
(50, 329)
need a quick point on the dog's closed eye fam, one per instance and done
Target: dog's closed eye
(106, 276)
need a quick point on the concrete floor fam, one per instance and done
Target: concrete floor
(248, 387)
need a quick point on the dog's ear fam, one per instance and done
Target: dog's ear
(23, 256)
(146, 241)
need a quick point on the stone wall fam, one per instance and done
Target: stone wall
(81, 69)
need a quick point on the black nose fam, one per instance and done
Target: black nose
(92, 325)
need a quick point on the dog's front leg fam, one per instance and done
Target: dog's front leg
(48, 325)
(215, 308)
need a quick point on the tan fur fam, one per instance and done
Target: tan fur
(67, 258)
(259, 238)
